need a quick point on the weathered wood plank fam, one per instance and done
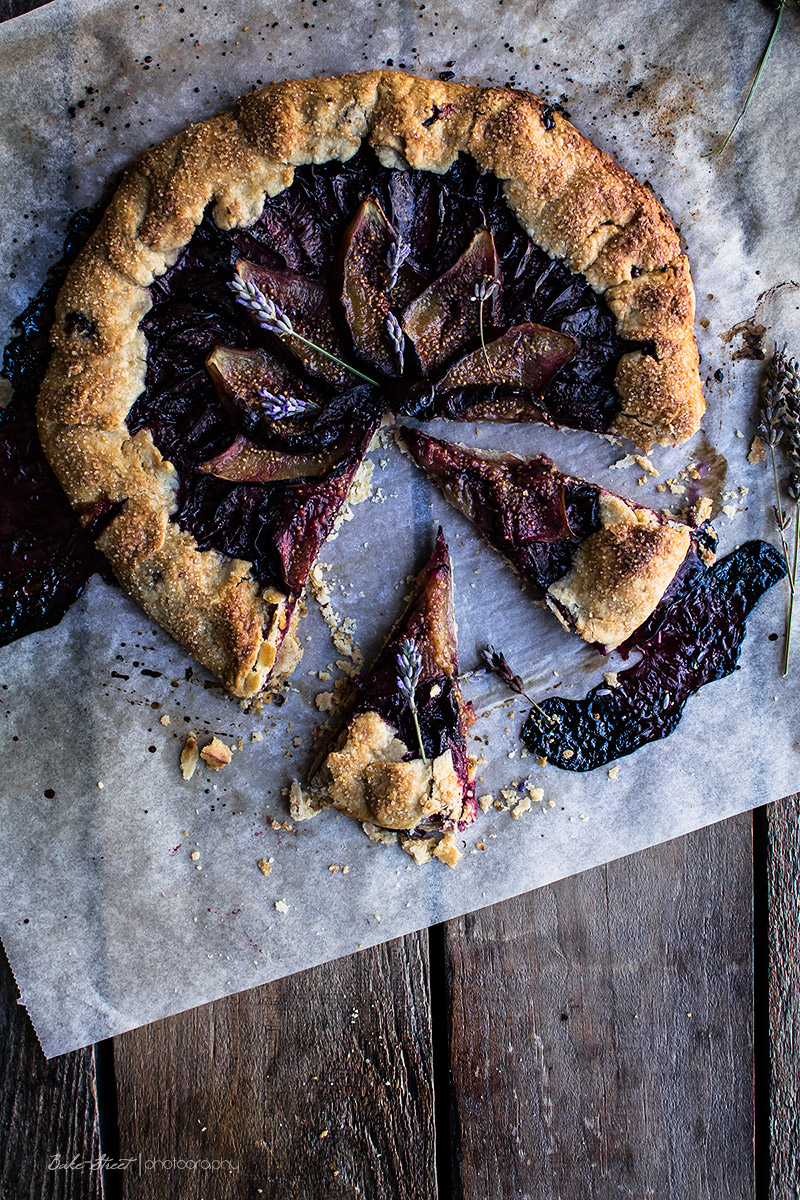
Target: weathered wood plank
(783, 856)
(46, 1108)
(315, 1087)
(601, 1039)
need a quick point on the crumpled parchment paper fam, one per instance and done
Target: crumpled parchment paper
(108, 920)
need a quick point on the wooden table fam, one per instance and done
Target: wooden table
(629, 1032)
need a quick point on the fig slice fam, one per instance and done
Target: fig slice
(446, 316)
(244, 379)
(525, 356)
(245, 462)
(305, 302)
(372, 259)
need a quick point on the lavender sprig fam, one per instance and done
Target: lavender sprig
(789, 371)
(396, 255)
(484, 290)
(278, 406)
(498, 664)
(409, 669)
(396, 337)
(771, 428)
(275, 320)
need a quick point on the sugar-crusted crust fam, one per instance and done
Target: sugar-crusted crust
(571, 198)
(619, 573)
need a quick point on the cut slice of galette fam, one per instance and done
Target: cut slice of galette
(601, 563)
(265, 284)
(401, 761)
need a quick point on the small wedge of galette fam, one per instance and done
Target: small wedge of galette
(602, 564)
(266, 286)
(400, 763)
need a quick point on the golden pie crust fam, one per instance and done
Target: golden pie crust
(572, 199)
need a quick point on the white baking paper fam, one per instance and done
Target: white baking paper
(108, 920)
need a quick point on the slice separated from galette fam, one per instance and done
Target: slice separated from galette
(401, 761)
(266, 283)
(602, 564)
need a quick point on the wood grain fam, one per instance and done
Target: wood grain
(601, 1039)
(316, 1087)
(46, 1108)
(783, 855)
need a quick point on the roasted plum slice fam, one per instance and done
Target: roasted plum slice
(306, 303)
(371, 266)
(448, 314)
(251, 384)
(699, 639)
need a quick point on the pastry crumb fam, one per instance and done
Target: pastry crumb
(485, 802)
(216, 754)
(189, 757)
(523, 805)
(611, 678)
(613, 772)
(420, 849)
(281, 906)
(757, 452)
(256, 736)
(164, 720)
(376, 833)
(303, 805)
(264, 866)
(194, 855)
(447, 851)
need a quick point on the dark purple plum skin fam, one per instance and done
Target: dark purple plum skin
(696, 639)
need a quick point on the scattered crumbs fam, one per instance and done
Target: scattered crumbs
(661, 487)
(675, 487)
(281, 906)
(568, 753)
(730, 511)
(613, 772)
(611, 678)
(536, 793)
(758, 451)
(480, 845)
(738, 433)
(256, 736)
(551, 803)
(420, 849)
(582, 817)
(100, 785)
(641, 480)
(447, 851)
(541, 760)
(164, 720)
(240, 744)
(189, 757)
(288, 826)
(334, 868)
(629, 460)
(216, 754)
(324, 676)
(345, 870)
(194, 855)
(264, 866)
(375, 833)
(377, 917)
(275, 823)
(485, 802)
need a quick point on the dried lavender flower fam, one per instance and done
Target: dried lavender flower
(485, 288)
(396, 337)
(409, 669)
(396, 255)
(498, 664)
(272, 318)
(278, 406)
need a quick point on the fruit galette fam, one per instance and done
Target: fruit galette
(269, 286)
